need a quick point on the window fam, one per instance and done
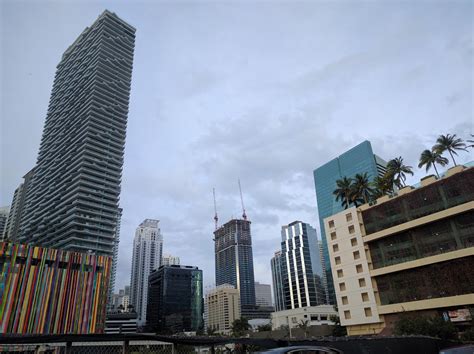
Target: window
(359, 268)
(337, 260)
(344, 300)
(335, 247)
(362, 282)
(340, 273)
(331, 223)
(351, 229)
(342, 286)
(347, 315)
(356, 254)
(353, 242)
(348, 217)
(365, 297)
(368, 312)
(324, 317)
(333, 235)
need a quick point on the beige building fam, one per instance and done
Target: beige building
(315, 315)
(411, 253)
(222, 308)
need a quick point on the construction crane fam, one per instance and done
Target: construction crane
(244, 216)
(216, 219)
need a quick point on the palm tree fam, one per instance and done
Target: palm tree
(397, 169)
(471, 141)
(304, 325)
(431, 158)
(449, 143)
(343, 191)
(361, 189)
(382, 186)
(240, 326)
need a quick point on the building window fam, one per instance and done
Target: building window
(368, 312)
(335, 247)
(324, 317)
(337, 260)
(342, 286)
(356, 254)
(331, 223)
(359, 268)
(333, 235)
(344, 300)
(347, 315)
(351, 229)
(340, 273)
(362, 282)
(353, 242)
(365, 297)
(349, 217)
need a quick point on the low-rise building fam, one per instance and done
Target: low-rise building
(311, 315)
(412, 253)
(119, 322)
(222, 306)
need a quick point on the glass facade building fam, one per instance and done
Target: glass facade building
(175, 299)
(277, 281)
(359, 159)
(234, 259)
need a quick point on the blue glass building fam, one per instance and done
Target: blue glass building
(359, 159)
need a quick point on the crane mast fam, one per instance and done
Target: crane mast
(216, 219)
(244, 215)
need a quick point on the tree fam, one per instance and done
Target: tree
(428, 326)
(449, 143)
(240, 326)
(338, 330)
(120, 308)
(430, 158)
(211, 331)
(382, 186)
(264, 328)
(398, 169)
(343, 191)
(361, 189)
(304, 325)
(471, 141)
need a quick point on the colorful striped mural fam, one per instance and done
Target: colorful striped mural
(50, 291)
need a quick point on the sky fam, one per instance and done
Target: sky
(264, 91)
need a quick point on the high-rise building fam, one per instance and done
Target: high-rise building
(277, 282)
(263, 294)
(359, 159)
(234, 259)
(50, 291)
(146, 257)
(222, 306)
(301, 266)
(114, 259)
(168, 259)
(12, 227)
(175, 300)
(410, 254)
(4, 211)
(72, 202)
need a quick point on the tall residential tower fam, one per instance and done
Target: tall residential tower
(359, 159)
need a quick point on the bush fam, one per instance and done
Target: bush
(468, 336)
(427, 326)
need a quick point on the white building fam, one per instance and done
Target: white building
(263, 294)
(169, 259)
(147, 253)
(315, 315)
(222, 308)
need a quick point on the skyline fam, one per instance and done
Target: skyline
(249, 89)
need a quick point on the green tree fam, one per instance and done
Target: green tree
(264, 328)
(240, 326)
(382, 186)
(398, 169)
(428, 326)
(338, 330)
(210, 331)
(304, 325)
(430, 158)
(343, 191)
(471, 141)
(361, 189)
(449, 143)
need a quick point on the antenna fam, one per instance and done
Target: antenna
(216, 219)
(244, 216)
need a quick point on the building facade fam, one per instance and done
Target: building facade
(146, 257)
(234, 259)
(175, 300)
(72, 200)
(169, 259)
(51, 291)
(314, 315)
(411, 254)
(301, 268)
(118, 323)
(359, 159)
(263, 294)
(222, 308)
(277, 282)
(4, 211)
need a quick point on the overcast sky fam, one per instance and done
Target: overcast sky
(265, 91)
